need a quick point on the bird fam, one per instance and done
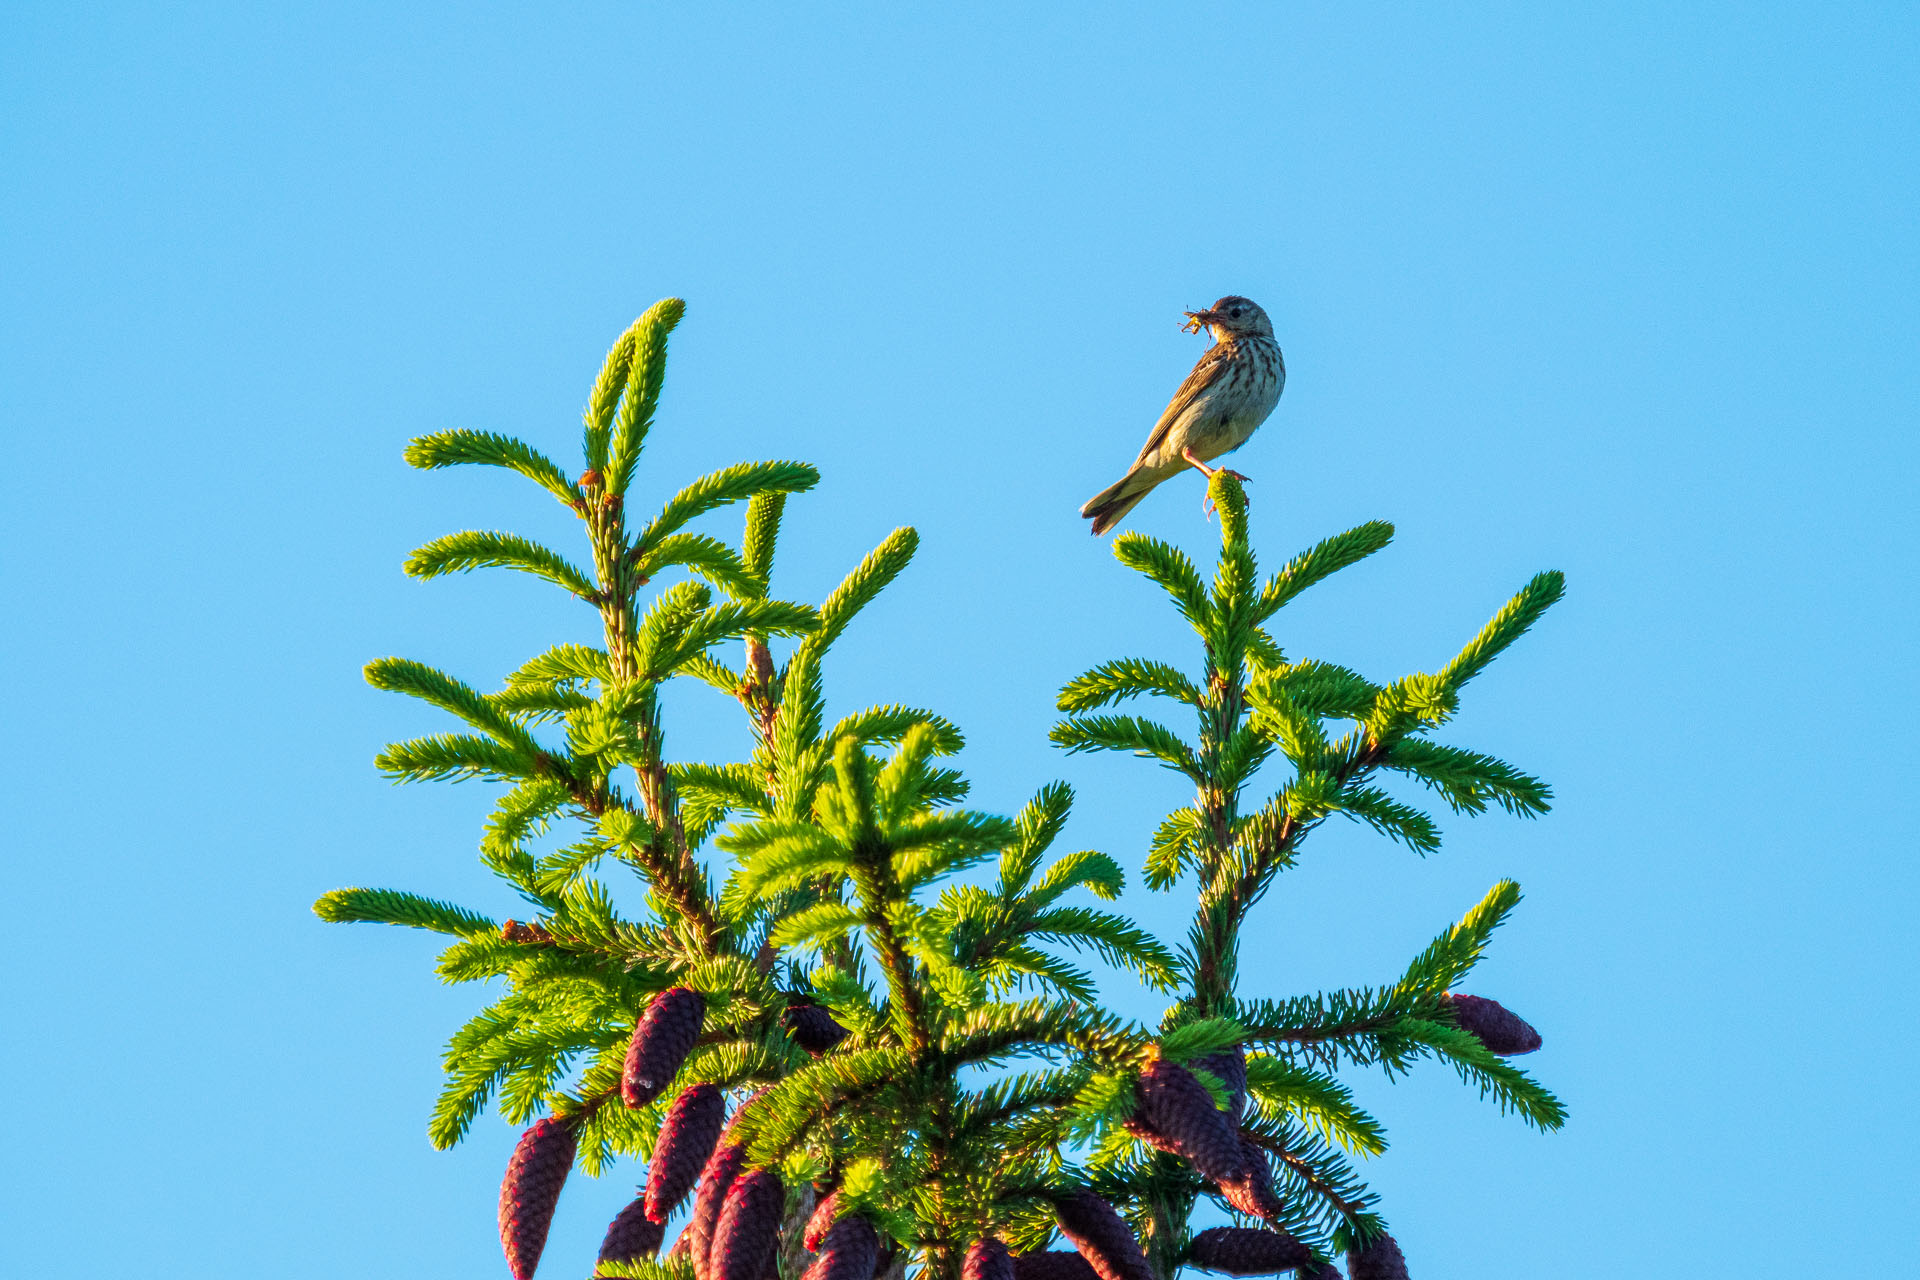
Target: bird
(1230, 392)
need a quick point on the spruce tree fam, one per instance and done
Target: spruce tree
(840, 1046)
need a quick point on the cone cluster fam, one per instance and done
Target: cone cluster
(632, 1235)
(1493, 1025)
(1247, 1251)
(539, 1167)
(687, 1135)
(661, 1041)
(1102, 1235)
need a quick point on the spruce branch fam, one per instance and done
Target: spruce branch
(645, 374)
(1515, 618)
(475, 549)
(390, 906)
(458, 447)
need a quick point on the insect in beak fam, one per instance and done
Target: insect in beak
(1198, 320)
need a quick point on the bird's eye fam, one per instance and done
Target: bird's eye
(1236, 313)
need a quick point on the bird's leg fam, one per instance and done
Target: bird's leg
(1206, 503)
(1208, 471)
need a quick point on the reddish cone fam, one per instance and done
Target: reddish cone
(1178, 1107)
(1247, 1251)
(723, 1166)
(1503, 1032)
(748, 1232)
(987, 1259)
(1381, 1260)
(632, 1236)
(539, 1168)
(1102, 1236)
(661, 1041)
(1053, 1264)
(813, 1028)
(849, 1251)
(1252, 1192)
(823, 1215)
(1229, 1067)
(686, 1140)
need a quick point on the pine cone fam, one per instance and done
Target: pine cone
(824, 1213)
(987, 1259)
(813, 1028)
(723, 1167)
(1247, 1251)
(1502, 1031)
(686, 1140)
(541, 1162)
(1252, 1192)
(1178, 1107)
(850, 1250)
(1319, 1271)
(1052, 1264)
(1381, 1260)
(748, 1232)
(1229, 1066)
(1101, 1235)
(633, 1235)
(661, 1041)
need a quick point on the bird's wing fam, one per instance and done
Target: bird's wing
(1192, 389)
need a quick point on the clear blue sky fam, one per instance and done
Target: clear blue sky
(1629, 292)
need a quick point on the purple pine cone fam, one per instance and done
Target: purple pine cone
(1052, 1264)
(824, 1212)
(1178, 1107)
(1247, 1251)
(633, 1235)
(1503, 1032)
(686, 1141)
(813, 1028)
(748, 1232)
(987, 1259)
(1381, 1260)
(1319, 1271)
(1102, 1236)
(723, 1167)
(850, 1250)
(1229, 1067)
(662, 1038)
(541, 1162)
(1252, 1192)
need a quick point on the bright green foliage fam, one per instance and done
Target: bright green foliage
(1338, 734)
(832, 867)
(835, 867)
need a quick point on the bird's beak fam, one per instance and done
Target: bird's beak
(1198, 320)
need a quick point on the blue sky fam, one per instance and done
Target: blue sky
(1626, 292)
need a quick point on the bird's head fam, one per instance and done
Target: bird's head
(1231, 317)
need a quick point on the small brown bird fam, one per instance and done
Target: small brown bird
(1228, 394)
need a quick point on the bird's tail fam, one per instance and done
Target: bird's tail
(1107, 507)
